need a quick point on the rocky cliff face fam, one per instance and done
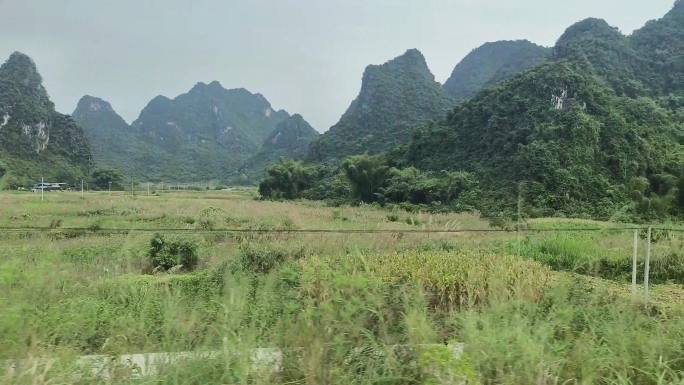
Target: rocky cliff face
(395, 100)
(35, 140)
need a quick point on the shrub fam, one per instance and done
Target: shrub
(260, 258)
(165, 253)
(413, 221)
(392, 217)
(441, 366)
(206, 224)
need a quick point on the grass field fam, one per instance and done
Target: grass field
(551, 307)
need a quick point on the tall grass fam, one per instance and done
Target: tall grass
(343, 309)
(589, 255)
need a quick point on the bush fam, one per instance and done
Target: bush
(392, 217)
(259, 258)
(165, 253)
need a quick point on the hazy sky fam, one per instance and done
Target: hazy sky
(305, 56)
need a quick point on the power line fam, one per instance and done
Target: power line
(315, 231)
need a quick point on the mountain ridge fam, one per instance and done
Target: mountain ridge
(491, 63)
(593, 132)
(202, 134)
(402, 87)
(289, 140)
(35, 140)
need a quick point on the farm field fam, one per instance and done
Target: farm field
(375, 300)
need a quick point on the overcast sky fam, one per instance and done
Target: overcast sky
(305, 56)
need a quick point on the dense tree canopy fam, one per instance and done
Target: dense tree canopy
(104, 178)
(597, 130)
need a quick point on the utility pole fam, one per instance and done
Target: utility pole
(519, 215)
(647, 266)
(148, 188)
(110, 187)
(635, 248)
(81, 188)
(42, 188)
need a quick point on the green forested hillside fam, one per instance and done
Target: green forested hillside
(395, 99)
(597, 132)
(113, 142)
(205, 133)
(290, 139)
(576, 147)
(35, 140)
(490, 64)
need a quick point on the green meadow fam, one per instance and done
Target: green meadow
(379, 302)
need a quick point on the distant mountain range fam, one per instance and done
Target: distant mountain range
(597, 100)
(402, 96)
(206, 133)
(214, 133)
(35, 140)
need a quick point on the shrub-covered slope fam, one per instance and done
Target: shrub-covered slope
(35, 140)
(290, 140)
(597, 131)
(490, 64)
(114, 143)
(395, 99)
(206, 133)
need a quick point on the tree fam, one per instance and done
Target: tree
(102, 177)
(366, 174)
(286, 180)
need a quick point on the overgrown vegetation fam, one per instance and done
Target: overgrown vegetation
(583, 254)
(167, 253)
(357, 308)
(107, 178)
(597, 131)
(371, 179)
